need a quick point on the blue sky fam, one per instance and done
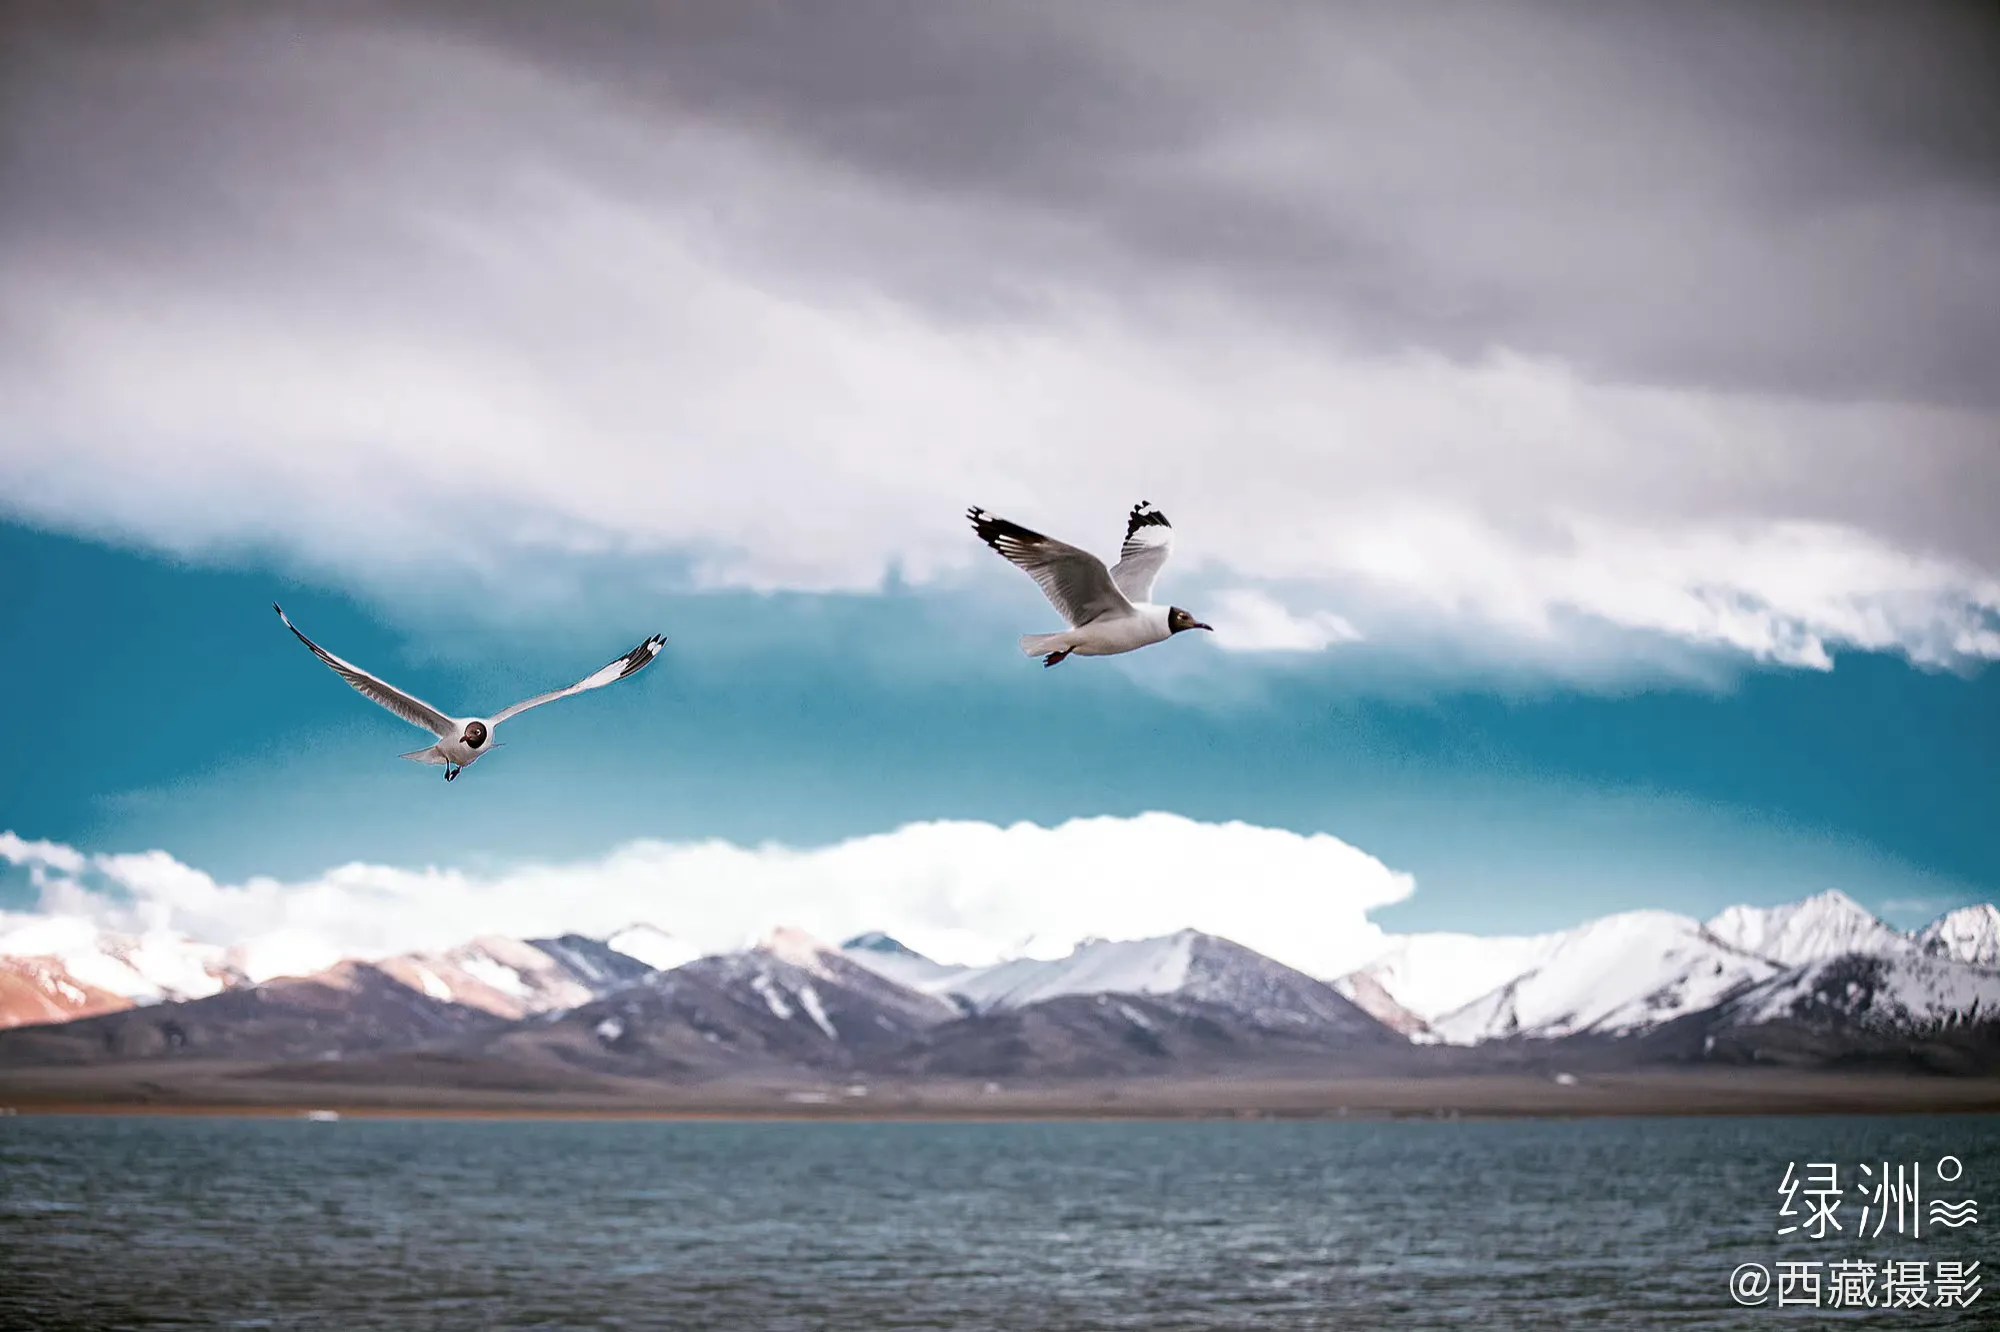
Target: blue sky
(167, 707)
(1590, 482)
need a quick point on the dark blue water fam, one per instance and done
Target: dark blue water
(1044, 1227)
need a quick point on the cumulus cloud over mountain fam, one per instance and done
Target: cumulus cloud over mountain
(961, 891)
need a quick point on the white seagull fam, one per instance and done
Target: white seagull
(461, 740)
(1109, 610)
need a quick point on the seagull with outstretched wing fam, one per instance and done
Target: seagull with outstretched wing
(461, 740)
(1109, 610)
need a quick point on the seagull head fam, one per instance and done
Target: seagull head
(475, 734)
(1178, 619)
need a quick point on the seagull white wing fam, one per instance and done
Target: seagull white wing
(1075, 581)
(1149, 539)
(410, 708)
(638, 659)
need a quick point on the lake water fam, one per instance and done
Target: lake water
(1043, 1227)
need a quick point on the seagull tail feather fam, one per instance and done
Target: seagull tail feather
(431, 756)
(1040, 645)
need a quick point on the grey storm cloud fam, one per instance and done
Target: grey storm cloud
(1792, 198)
(1677, 315)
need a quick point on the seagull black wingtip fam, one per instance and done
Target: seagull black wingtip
(1144, 515)
(993, 530)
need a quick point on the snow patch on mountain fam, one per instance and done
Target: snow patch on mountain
(1619, 974)
(762, 983)
(146, 969)
(653, 946)
(1097, 966)
(433, 985)
(1430, 975)
(809, 1001)
(489, 971)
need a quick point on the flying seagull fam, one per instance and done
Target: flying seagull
(1109, 610)
(461, 740)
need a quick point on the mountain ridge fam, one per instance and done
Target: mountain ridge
(1648, 983)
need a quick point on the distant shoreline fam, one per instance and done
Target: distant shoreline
(234, 1091)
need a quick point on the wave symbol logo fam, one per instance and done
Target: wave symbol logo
(1954, 1215)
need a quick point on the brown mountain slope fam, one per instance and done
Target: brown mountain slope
(35, 990)
(353, 1008)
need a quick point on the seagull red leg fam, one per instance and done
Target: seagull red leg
(1055, 657)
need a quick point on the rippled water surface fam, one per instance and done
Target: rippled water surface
(1048, 1227)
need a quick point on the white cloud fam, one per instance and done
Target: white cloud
(47, 855)
(960, 891)
(887, 428)
(1783, 592)
(1257, 622)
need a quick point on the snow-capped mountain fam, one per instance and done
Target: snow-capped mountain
(1970, 934)
(1818, 979)
(142, 968)
(54, 959)
(1096, 966)
(516, 977)
(1822, 926)
(1629, 973)
(790, 962)
(350, 1009)
(792, 1001)
(653, 946)
(55, 968)
(1620, 974)
(1902, 992)
(1430, 975)
(886, 956)
(593, 962)
(1188, 964)
(41, 989)
(789, 1002)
